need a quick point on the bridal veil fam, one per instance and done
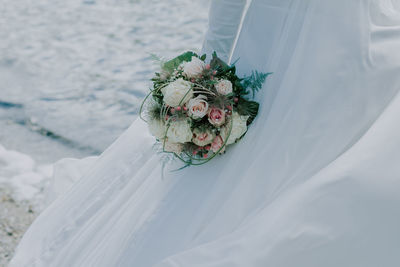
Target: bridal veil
(314, 182)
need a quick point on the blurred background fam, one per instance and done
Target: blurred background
(72, 76)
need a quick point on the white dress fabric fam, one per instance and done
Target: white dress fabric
(314, 183)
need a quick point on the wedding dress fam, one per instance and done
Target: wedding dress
(314, 183)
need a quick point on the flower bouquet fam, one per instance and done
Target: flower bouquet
(196, 109)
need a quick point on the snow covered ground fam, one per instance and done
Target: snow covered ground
(22, 186)
(25, 178)
(72, 76)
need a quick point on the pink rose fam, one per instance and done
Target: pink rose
(216, 116)
(202, 137)
(217, 144)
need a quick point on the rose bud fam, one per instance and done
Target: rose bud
(217, 144)
(178, 108)
(216, 116)
(208, 66)
(236, 99)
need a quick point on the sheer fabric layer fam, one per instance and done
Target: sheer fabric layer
(312, 184)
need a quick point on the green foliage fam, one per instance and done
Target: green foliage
(172, 64)
(248, 108)
(199, 123)
(156, 58)
(154, 110)
(218, 64)
(156, 93)
(158, 98)
(254, 82)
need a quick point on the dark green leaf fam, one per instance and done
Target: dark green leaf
(218, 64)
(248, 108)
(172, 64)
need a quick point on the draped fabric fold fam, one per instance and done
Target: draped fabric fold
(313, 183)
(224, 20)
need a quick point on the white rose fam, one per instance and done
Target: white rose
(157, 128)
(173, 147)
(179, 131)
(177, 92)
(202, 138)
(194, 68)
(224, 87)
(198, 107)
(239, 128)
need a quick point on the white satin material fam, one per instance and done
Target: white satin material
(314, 182)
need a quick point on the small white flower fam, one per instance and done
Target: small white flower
(164, 75)
(198, 107)
(176, 148)
(224, 87)
(179, 131)
(239, 128)
(157, 128)
(177, 93)
(194, 68)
